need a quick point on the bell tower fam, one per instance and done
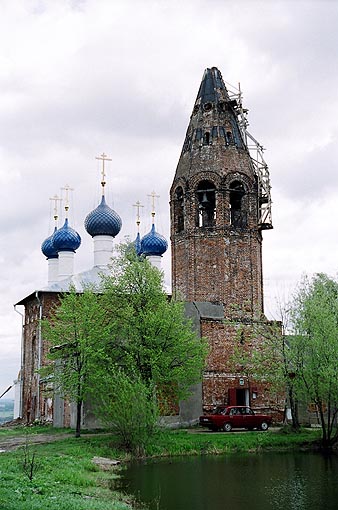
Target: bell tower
(220, 203)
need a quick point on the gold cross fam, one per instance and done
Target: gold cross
(138, 205)
(153, 196)
(103, 158)
(56, 200)
(67, 188)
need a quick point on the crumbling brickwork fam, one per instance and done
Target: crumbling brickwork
(35, 392)
(216, 239)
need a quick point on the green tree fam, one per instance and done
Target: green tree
(314, 348)
(122, 341)
(76, 331)
(150, 335)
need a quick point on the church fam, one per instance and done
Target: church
(220, 204)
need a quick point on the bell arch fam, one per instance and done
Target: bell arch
(238, 214)
(178, 209)
(206, 204)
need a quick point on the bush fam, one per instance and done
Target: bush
(131, 411)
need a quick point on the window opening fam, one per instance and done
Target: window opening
(206, 138)
(238, 217)
(179, 210)
(206, 194)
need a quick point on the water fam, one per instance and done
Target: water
(301, 481)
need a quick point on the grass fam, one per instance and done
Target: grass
(194, 442)
(19, 430)
(67, 479)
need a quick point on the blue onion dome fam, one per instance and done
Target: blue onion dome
(137, 244)
(153, 243)
(48, 249)
(103, 221)
(66, 238)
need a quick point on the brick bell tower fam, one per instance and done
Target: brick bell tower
(220, 203)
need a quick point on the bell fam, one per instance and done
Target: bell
(204, 200)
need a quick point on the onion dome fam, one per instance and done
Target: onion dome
(66, 238)
(137, 244)
(48, 248)
(103, 221)
(153, 243)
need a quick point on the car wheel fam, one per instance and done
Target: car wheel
(264, 426)
(227, 427)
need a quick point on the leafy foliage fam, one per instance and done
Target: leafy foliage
(126, 346)
(150, 335)
(129, 407)
(314, 348)
(74, 330)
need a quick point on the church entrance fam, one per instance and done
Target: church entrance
(238, 397)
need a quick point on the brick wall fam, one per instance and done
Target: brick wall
(36, 403)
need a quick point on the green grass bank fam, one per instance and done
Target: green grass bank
(65, 477)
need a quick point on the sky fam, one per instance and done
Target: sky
(83, 77)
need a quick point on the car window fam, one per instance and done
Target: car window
(220, 410)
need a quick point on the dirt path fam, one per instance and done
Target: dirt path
(14, 442)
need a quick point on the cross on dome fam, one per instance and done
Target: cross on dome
(153, 196)
(138, 205)
(67, 189)
(103, 158)
(56, 199)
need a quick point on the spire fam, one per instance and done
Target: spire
(218, 131)
(212, 88)
(213, 125)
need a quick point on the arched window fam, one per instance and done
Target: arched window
(206, 138)
(206, 195)
(238, 217)
(179, 210)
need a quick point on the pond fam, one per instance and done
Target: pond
(296, 481)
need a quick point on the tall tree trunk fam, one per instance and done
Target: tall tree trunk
(294, 409)
(78, 418)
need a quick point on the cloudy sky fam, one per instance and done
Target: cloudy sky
(85, 76)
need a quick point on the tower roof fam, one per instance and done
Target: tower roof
(48, 248)
(137, 244)
(153, 243)
(213, 128)
(212, 88)
(103, 221)
(66, 238)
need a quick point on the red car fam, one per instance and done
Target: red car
(235, 417)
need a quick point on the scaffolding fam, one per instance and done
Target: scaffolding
(255, 150)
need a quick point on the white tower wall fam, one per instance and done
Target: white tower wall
(53, 270)
(103, 250)
(66, 264)
(155, 260)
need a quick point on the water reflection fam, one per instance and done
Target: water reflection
(302, 481)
